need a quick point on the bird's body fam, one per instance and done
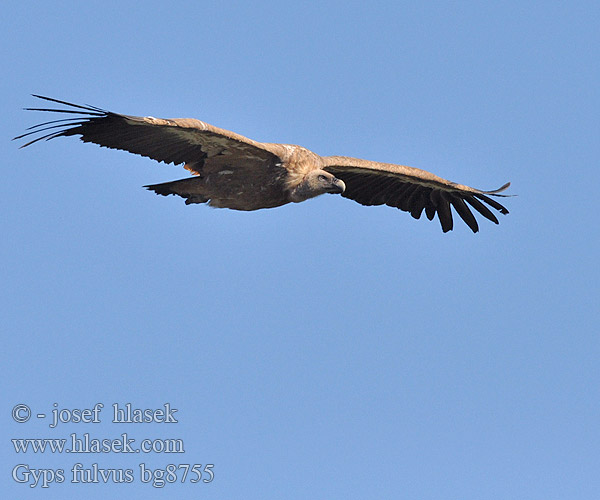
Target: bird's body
(232, 171)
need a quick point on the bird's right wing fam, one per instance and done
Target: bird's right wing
(412, 190)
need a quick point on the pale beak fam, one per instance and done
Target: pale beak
(337, 186)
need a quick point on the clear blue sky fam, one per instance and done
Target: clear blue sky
(321, 350)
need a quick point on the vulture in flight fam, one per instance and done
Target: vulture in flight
(232, 171)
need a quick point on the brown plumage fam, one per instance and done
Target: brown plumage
(232, 171)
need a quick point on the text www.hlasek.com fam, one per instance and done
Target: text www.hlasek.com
(87, 444)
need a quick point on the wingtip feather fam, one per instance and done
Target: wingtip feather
(495, 192)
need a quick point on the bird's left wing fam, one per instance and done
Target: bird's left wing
(412, 190)
(178, 140)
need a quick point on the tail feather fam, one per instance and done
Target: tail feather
(190, 189)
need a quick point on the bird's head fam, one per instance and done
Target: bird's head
(316, 183)
(324, 182)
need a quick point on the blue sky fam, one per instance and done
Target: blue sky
(321, 350)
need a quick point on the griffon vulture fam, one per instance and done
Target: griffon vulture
(232, 171)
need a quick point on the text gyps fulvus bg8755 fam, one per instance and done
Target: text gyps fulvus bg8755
(232, 171)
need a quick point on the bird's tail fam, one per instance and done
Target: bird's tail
(190, 189)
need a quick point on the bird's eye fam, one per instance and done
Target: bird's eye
(322, 177)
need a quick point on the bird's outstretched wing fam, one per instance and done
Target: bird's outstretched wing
(412, 190)
(179, 140)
